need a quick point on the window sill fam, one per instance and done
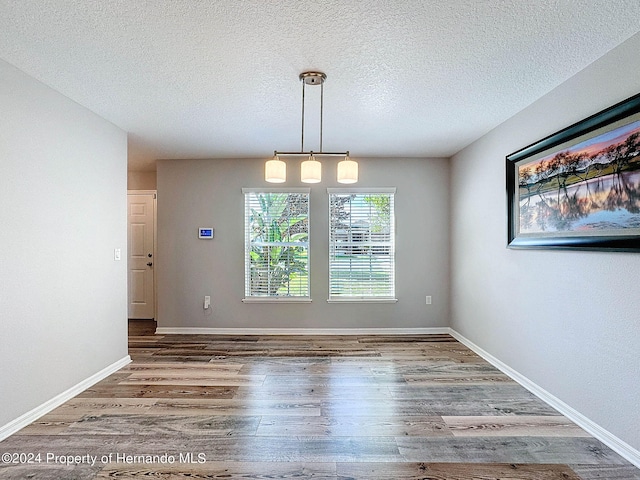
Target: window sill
(362, 300)
(276, 300)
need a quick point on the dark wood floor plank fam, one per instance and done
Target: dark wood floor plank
(224, 470)
(233, 407)
(508, 450)
(469, 379)
(193, 359)
(313, 392)
(353, 426)
(334, 381)
(305, 449)
(513, 426)
(50, 424)
(49, 471)
(405, 339)
(102, 406)
(164, 425)
(468, 407)
(142, 327)
(182, 369)
(607, 472)
(211, 380)
(311, 368)
(462, 392)
(453, 471)
(159, 391)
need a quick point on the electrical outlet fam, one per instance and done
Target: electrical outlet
(207, 302)
(428, 299)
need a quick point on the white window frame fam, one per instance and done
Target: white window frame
(363, 299)
(247, 248)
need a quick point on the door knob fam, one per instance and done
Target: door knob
(149, 264)
(149, 255)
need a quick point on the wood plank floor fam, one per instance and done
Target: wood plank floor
(298, 407)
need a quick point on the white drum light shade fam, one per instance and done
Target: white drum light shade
(347, 171)
(275, 171)
(310, 171)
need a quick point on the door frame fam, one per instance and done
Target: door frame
(155, 245)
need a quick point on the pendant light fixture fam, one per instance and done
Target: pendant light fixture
(311, 168)
(347, 170)
(275, 171)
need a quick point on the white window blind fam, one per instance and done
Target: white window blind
(276, 243)
(361, 244)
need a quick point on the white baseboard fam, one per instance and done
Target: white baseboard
(32, 415)
(301, 331)
(614, 443)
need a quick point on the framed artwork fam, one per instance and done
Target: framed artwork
(580, 187)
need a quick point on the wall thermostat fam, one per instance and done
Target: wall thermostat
(205, 232)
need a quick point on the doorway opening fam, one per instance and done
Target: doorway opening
(141, 256)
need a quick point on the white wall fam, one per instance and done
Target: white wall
(194, 193)
(569, 321)
(141, 180)
(63, 299)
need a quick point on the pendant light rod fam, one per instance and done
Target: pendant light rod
(311, 152)
(302, 128)
(312, 78)
(321, 111)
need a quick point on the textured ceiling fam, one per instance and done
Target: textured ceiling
(203, 78)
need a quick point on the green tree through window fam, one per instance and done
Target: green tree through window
(276, 244)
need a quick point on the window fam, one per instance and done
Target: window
(276, 225)
(361, 244)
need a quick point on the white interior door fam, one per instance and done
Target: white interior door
(141, 254)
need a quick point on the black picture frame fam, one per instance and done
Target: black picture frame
(565, 193)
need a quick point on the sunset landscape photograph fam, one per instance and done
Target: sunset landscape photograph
(588, 187)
